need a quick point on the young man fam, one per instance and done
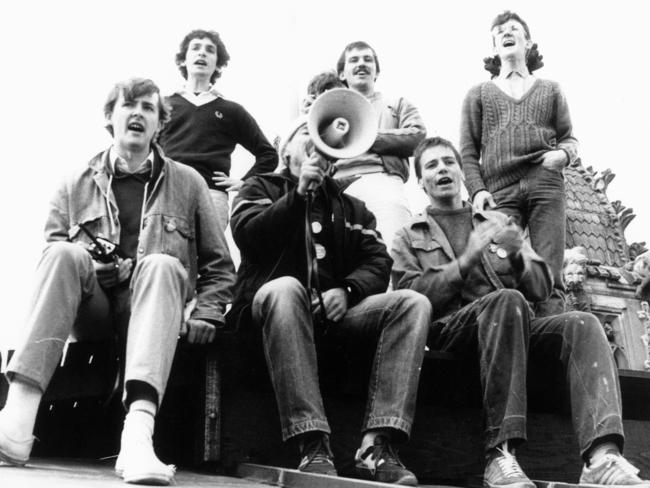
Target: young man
(160, 214)
(205, 127)
(478, 274)
(384, 168)
(516, 138)
(273, 293)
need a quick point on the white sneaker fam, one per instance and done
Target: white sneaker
(503, 471)
(13, 452)
(140, 465)
(612, 470)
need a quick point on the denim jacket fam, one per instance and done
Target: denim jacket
(424, 261)
(178, 220)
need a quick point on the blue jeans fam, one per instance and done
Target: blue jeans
(68, 299)
(501, 329)
(399, 321)
(538, 201)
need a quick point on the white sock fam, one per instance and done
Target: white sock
(600, 450)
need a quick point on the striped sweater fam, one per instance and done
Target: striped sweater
(507, 136)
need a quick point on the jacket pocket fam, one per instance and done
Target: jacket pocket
(177, 237)
(93, 222)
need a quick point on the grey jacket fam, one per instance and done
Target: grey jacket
(178, 219)
(424, 261)
(400, 130)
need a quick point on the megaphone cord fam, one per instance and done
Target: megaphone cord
(313, 282)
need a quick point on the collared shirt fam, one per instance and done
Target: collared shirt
(514, 83)
(120, 166)
(201, 98)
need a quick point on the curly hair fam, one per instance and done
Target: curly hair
(340, 64)
(533, 57)
(131, 90)
(222, 54)
(428, 143)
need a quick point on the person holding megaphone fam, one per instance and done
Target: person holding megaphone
(317, 278)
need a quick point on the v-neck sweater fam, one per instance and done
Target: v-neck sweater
(204, 137)
(508, 136)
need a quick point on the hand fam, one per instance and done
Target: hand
(482, 199)
(556, 159)
(226, 183)
(111, 274)
(480, 237)
(197, 331)
(312, 172)
(335, 301)
(511, 241)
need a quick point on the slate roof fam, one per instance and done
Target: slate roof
(592, 221)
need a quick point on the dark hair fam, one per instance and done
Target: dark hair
(430, 142)
(507, 15)
(322, 82)
(533, 57)
(222, 54)
(340, 64)
(131, 90)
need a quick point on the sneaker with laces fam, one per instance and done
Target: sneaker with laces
(316, 456)
(379, 462)
(503, 471)
(612, 470)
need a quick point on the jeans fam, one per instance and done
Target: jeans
(500, 328)
(68, 299)
(399, 321)
(538, 201)
(385, 197)
(220, 200)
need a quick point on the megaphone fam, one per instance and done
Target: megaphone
(342, 123)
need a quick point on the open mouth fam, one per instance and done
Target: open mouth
(135, 127)
(445, 180)
(508, 42)
(200, 62)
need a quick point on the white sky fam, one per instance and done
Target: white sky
(62, 57)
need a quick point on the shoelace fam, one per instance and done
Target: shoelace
(317, 451)
(622, 463)
(508, 463)
(382, 451)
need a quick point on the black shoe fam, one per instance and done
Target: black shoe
(380, 463)
(316, 456)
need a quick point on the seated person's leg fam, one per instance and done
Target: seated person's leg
(578, 341)
(159, 290)
(281, 308)
(400, 321)
(495, 327)
(65, 285)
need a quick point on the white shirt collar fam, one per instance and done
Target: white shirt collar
(117, 162)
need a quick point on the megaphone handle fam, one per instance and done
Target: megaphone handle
(313, 282)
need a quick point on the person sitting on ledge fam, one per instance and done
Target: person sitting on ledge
(479, 275)
(170, 248)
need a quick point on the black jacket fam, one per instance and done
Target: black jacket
(268, 227)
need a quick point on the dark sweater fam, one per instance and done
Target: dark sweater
(205, 136)
(509, 136)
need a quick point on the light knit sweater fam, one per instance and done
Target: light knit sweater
(508, 136)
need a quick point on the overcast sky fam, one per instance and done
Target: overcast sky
(62, 57)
